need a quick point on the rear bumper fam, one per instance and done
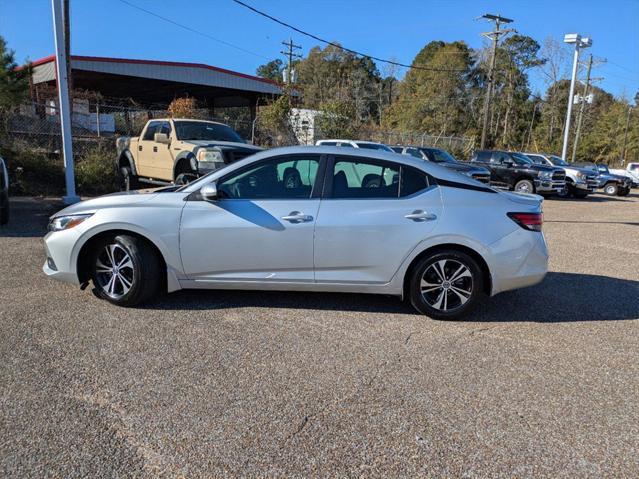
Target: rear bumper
(519, 259)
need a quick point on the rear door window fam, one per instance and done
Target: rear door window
(413, 181)
(359, 178)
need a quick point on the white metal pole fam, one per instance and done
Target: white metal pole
(564, 150)
(63, 98)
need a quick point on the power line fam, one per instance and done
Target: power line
(355, 52)
(192, 30)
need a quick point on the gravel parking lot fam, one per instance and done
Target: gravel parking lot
(540, 382)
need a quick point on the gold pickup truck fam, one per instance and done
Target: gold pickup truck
(172, 150)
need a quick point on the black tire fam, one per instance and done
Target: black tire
(144, 276)
(566, 192)
(128, 181)
(525, 186)
(611, 189)
(623, 191)
(434, 303)
(185, 178)
(4, 209)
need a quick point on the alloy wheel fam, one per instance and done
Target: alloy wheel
(446, 285)
(114, 271)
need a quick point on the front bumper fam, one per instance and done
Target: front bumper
(549, 185)
(58, 247)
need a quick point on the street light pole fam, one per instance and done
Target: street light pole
(579, 44)
(63, 99)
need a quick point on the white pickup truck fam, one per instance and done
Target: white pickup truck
(172, 150)
(631, 171)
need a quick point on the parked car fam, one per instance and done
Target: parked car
(445, 159)
(367, 145)
(612, 185)
(631, 171)
(579, 182)
(177, 151)
(420, 234)
(4, 193)
(514, 171)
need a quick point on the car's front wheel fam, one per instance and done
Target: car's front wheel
(524, 186)
(446, 285)
(611, 189)
(126, 270)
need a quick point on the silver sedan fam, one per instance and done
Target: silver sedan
(308, 219)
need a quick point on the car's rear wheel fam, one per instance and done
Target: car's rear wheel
(524, 186)
(128, 181)
(446, 285)
(611, 189)
(126, 270)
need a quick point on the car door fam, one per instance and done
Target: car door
(261, 228)
(372, 215)
(502, 170)
(163, 158)
(145, 161)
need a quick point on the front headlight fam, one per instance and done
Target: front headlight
(580, 176)
(546, 174)
(60, 223)
(210, 156)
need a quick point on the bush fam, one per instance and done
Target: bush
(33, 173)
(95, 172)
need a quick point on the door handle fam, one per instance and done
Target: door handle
(139, 147)
(297, 217)
(420, 215)
(155, 149)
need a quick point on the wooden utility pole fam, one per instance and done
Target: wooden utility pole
(625, 137)
(494, 36)
(290, 56)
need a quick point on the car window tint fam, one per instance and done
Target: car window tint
(151, 130)
(347, 145)
(328, 143)
(278, 178)
(414, 152)
(165, 127)
(413, 181)
(483, 156)
(361, 179)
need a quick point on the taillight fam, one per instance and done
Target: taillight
(528, 221)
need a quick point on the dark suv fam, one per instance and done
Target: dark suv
(612, 184)
(443, 158)
(515, 171)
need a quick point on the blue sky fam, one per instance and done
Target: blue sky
(388, 29)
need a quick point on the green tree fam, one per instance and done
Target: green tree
(14, 82)
(271, 70)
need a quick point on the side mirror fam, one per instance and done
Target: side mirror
(209, 192)
(161, 138)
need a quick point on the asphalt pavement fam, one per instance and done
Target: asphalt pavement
(540, 382)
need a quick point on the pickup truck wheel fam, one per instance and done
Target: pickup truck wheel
(446, 285)
(128, 181)
(125, 270)
(611, 189)
(524, 186)
(185, 178)
(566, 192)
(623, 191)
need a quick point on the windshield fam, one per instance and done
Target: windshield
(207, 131)
(558, 161)
(375, 146)
(439, 156)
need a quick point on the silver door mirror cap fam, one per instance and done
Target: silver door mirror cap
(209, 192)
(161, 138)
